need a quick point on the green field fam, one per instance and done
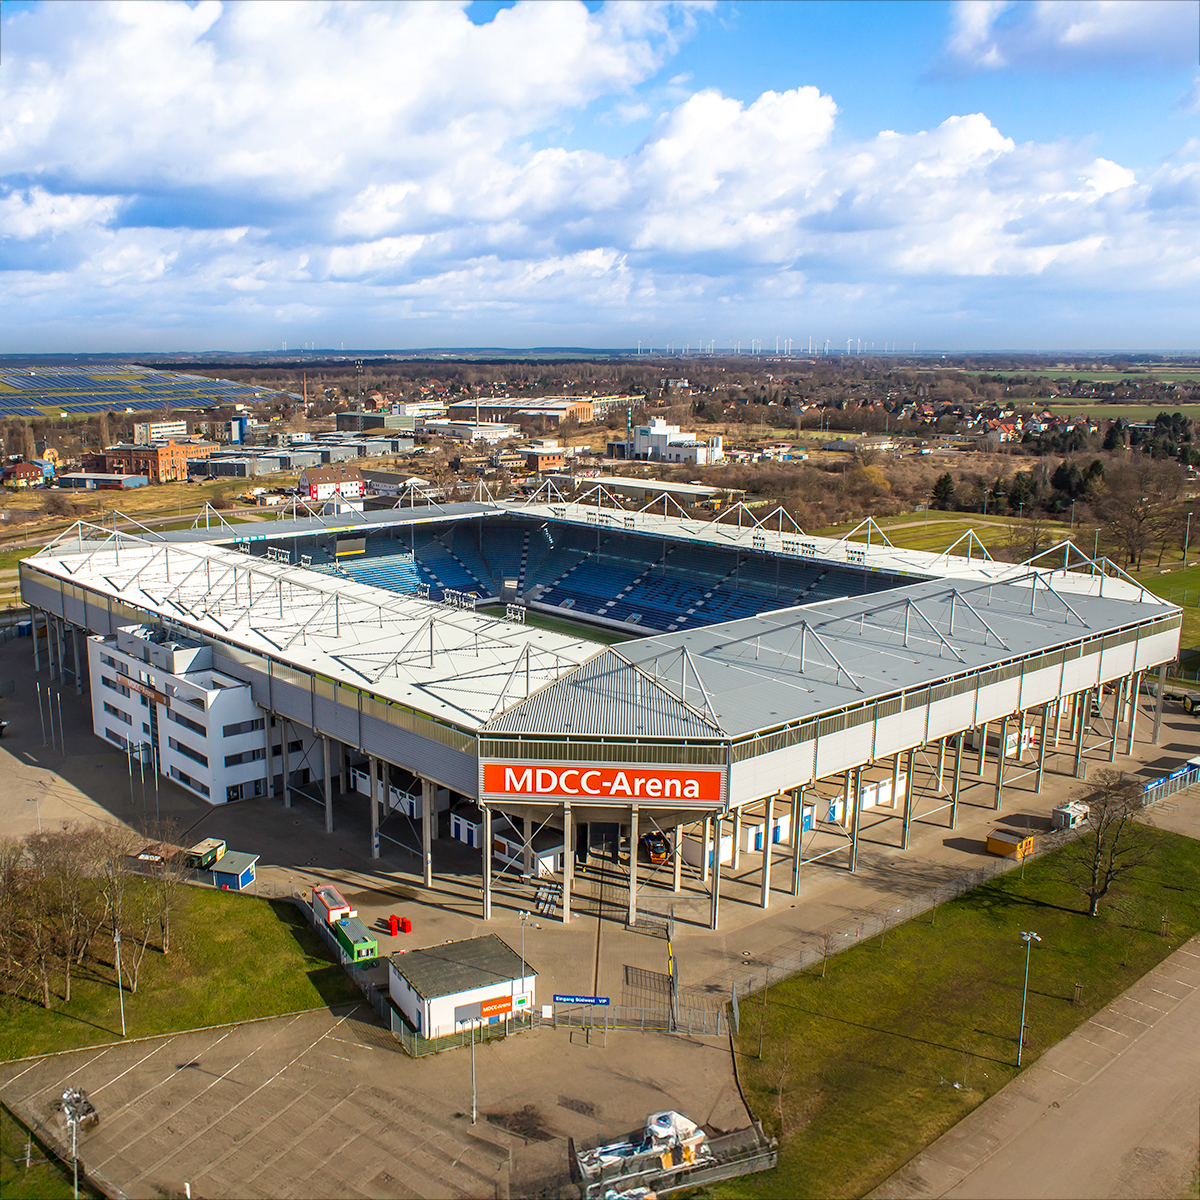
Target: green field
(578, 629)
(1166, 375)
(1110, 412)
(45, 1179)
(265, 954)
(870, 1056)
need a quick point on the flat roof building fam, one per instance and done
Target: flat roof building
(473, 982)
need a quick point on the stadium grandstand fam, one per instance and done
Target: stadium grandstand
(770, 680)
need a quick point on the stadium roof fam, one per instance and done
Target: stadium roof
(482, 672)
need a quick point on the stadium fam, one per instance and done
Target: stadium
(460, 664)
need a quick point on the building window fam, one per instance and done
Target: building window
(236, 760)
(116, 712)
(243, 727)
(116, 687)
(188, 781)
(187, 752)
(114, 736)
(187, 723)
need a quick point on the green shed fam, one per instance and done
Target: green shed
(353, 937)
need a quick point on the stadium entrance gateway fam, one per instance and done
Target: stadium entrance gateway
(578, 795)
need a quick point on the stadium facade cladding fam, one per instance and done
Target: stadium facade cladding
(683, 729)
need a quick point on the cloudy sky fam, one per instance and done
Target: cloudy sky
(977, 174)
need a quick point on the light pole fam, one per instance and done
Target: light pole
(1187, 537)
(38, 801)
(523, 916)
(120, 985)
(473, 1092)
(1072, 516)
(1028, 938)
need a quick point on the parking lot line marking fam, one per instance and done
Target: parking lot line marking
(1066, 1076)
(98, 1090)
(1109, 1028)
(171, 1075)
(175, 1112)
(179, 1147)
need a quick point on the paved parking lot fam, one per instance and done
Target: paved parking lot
(326, 1104)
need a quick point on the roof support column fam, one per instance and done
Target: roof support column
(797, 837)
(1001, 755)
(854, 812)
(485, 851)
(765, 895)
(428, 816)
(1158, 701)
(75, 654)
(958, 753)
(328, 786)
(1042, 741)
(848, 800)
(714, 911)
(568, 860)
(1058, 708)
(908, 798)
(1135, 687)
(737, 840)
(372, 795)
(1082, 707)
(37, 656)
(677, 859)
(983, 746)
(706, 838)
(1118, 702)
(50, 646)
(895, 779)
(60, 625)
(527, 848)
(941, 765)
(287, 774)
(633, 863)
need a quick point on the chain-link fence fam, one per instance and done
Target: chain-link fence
(833, 941)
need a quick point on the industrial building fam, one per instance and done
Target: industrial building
(774, 674)
(660, 442)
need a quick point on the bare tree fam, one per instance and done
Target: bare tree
(1114, 843)
(1135, 499)
(828, 940)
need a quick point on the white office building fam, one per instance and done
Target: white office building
(660, 442)
(145, 432)
(160, 697)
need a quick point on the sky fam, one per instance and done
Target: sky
(972, 175)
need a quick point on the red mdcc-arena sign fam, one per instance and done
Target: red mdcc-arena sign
(621, 784)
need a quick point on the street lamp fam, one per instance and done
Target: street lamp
(523, 916)
(1187, 537)
(1028, 939)
(38, 801)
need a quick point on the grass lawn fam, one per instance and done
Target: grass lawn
(232, 958)
(871, 1053)
(593, 633)
(43, 1181)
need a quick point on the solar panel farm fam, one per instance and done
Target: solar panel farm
(48, 391)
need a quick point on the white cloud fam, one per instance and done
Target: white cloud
(994, 34)
(368, 169)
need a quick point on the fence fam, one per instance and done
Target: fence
(697, 1022)
(831, 942)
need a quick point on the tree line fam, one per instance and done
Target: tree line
(67, 894)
